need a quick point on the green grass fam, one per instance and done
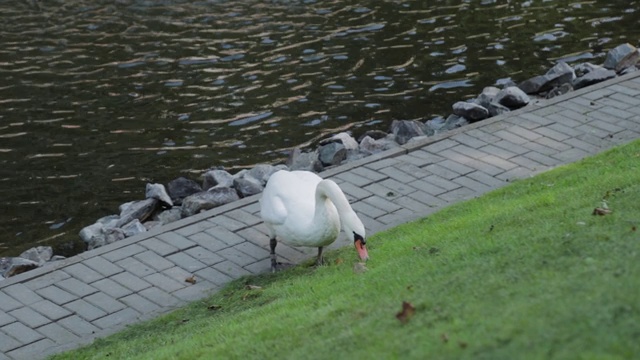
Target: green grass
(523, 272)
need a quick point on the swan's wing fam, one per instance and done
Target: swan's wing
(289, 195)
(273, 209)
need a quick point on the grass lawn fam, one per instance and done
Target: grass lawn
(524, 272)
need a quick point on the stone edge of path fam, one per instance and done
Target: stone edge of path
(402, 150)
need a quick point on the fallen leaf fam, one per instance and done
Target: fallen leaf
(339, 261)
(191, 279)
(601, 211)
(185, 320)
(359, 268)
(410, 287)
(214, 307)
(463, 345)
(253, 287)
(407, 312)
(633, 228)
(444, 338)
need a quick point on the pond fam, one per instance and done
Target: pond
(98, 98)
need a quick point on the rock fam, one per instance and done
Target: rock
(111, 236)
(332, 153)
(168, 216)
(247, 186)
(496, 109)
(406, 129)
(593, 77)
(470, 111)
(628, 61)
(109, 221)
(616, 55)
(219, 178)
(486, 97)
(39, 255)
(345, 139)
(135, 227)
(158, 192)
(151, 224)
(436, 123)
(584, 68)
(57, 258)
(262, 172)
(534, 84)
(90, 233)
(374, 134)
(454, 122)
(560, 74)
(13, 266)
(140, 210)
(369, 146)
(309, 161)
(206, 200)
(180, 188)
(561, 90)
(512, 97)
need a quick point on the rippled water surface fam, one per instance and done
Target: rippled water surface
(99, 97)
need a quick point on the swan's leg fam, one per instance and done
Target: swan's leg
(273, 242)
(320, 258)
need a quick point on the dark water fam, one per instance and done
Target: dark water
(99, 97)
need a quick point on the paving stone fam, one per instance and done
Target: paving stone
(499, 152)
(231, 269)
(85, 310)
(585, 103)
(486, 179)
(539, 148)
(571, 155)
(197, 291)
(441, 182)
(362, 207)
(154, 260)
(371, 225)
(594, 131)
(524, 133)
(140, 304)
(208, 242)
(498, 162)
(214, 276)
(583, 145)
(526, 162)
(354, 192)
(252, 250)
(29, 317)
(381, 163)
(194, 228)
(45, 280)
(606, 126)
(56, 295)
(103, 266)
(105, 302)
(293, 255)
(458, 194)
(427, 199)
(412, 204)
(130, 281)
(382, 204)
(6, 318)
(445, 172)
(37, 349)
(76, 287)
(58, 334)
(159, 247)
(123, 252)
(22, 332)
(357, 180)
(83, 273)
(525, 123)
(398, 175)
(160, 297)
(8, 343)
(515, 173)
(397, 216)
(236, 256)
(611, 102)
(244, 217)
(224, 235)
(543, 159)
(480, 134)
(474, 185)
(381, 190)
(179, 274)
(533, 116)
(564, 129)
(8, 303)
(50, 310)
(626, 88)
(177, 240)
(440, 145)
(550, 133)
(78, 326)
(164, 282)
(468, 140)
(136, 267)
(259, 267)
(427, 187)
(111, 288)
(22, 293)
(124, 316)
(227, 222)
(597, 94)
(420, 158)
(204, 256)
(515, 148)
(186, 261)
(475, 164)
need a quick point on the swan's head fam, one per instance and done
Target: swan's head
(353, 226)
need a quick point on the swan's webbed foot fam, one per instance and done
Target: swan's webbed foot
(320, 258)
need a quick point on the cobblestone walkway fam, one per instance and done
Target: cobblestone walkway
(96, 293)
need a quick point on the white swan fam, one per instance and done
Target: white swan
(301, 209)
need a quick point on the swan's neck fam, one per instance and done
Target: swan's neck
(331, 204)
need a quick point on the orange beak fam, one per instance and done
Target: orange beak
(362, 250)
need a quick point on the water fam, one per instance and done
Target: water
(99, 97)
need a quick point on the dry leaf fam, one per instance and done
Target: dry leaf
(601, 211)
(339, 261)
(444, 338)
(463, 345)
(253, 287)
(407, 312)
(359, 268)
(214, 307)
(191, 279)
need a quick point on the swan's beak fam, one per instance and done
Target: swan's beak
(362, 250)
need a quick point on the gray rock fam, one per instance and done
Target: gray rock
(406, 129)
(158, 192)
(110, 236)
(152, 224)
(436, 123)
(496, 109)
(370, 146)
(92, 233)
(345, 139)
(13, 266)
(486, 97)
(40, 254)
(332, 153)
(308, 161)
(616, 55)
(593, 77)
(219, 178)
(512, 97)
(140, 210)
(206, 200)
(560, 74)
(584, 68)
(561, 90)
(109, 221)
(454, 122)
(374, 134)
(182, 187)
(470, 111)
(135, 227)
(168, 216)
(247, 186)
(56, 258)
(262, 172)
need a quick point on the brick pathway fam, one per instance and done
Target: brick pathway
(96, 293)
